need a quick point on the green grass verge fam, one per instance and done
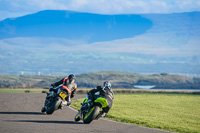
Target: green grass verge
(171, 112)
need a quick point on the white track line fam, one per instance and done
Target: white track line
(72, 108)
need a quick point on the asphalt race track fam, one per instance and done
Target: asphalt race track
(20, 113)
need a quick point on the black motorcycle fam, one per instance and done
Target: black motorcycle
(56, 99)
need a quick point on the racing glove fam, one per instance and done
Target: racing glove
(52, 85)
(72, 95)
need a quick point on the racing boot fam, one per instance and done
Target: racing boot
(101, 114)
(104, 114)
(64, 103)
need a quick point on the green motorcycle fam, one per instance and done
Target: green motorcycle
(91, 110)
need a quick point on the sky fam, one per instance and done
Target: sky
(17, 8)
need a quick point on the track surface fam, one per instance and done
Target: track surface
(20, 113)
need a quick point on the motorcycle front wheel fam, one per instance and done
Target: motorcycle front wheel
(91, 115)
(77, 117)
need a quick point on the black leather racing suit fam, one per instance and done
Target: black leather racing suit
(104, 92)
(71, 87)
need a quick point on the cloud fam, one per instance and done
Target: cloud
(10, 8)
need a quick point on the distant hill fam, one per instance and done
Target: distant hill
(118, 80)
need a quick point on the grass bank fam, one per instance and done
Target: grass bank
(171, 112)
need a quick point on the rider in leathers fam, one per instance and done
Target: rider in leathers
(67, 83)
(105, 92)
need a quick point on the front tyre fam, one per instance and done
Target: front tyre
(91, 115)
(77, 117)
(54, 106)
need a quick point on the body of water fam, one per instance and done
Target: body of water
(146, 87)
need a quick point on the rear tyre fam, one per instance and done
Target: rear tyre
(91, 115)
(54, 106)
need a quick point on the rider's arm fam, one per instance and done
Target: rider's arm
(93, 91)
(57, 83)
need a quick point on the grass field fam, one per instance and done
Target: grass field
(171, 112)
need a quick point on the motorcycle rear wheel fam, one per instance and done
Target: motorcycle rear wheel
(54, 106)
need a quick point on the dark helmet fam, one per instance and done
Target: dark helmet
(107, 84)
(71, 78)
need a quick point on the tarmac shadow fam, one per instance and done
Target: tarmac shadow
(46, 121)
(23, 113)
